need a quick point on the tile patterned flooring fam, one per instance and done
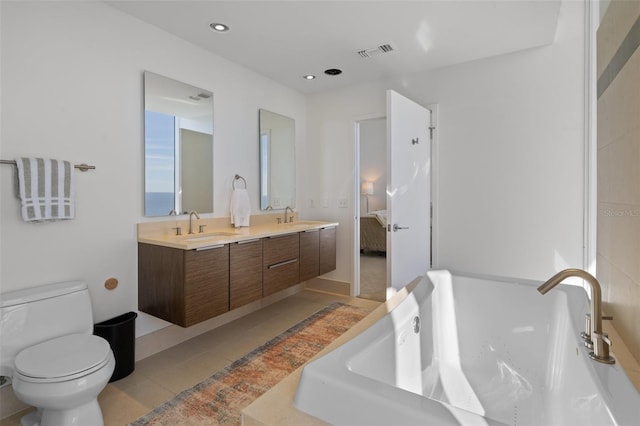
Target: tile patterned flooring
(158, 378)
(373, 276)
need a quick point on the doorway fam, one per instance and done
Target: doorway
(394, 159)
(372, 166)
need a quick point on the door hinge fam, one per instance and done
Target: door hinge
(431, 129)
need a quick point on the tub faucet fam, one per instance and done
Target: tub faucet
(191, 214)
(286, 209)
(600, 340)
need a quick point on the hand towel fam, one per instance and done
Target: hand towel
(240, 207)
(46, 188)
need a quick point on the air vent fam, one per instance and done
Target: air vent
(383, 48)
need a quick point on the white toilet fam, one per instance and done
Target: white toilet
(55, 362)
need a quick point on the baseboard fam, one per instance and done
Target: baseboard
(329, 286)
(158, 341)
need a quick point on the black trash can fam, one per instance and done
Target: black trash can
(120, 332)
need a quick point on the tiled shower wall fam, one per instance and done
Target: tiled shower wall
(618, 258)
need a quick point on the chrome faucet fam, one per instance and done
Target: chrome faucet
(594, 336)
(286, 209)
(191, 214)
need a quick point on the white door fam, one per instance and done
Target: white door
(408, 190)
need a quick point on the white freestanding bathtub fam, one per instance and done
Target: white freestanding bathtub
(471, 351)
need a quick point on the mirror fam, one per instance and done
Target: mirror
(277, 161)
(178, 147)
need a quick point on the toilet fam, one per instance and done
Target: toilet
(55, 362)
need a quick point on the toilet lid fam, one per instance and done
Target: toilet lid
(65, 356)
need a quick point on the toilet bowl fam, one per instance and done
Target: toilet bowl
(55, 362)
(63, 378)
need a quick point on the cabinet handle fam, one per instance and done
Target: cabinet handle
(286, 262)
(329, 227)
(310, 230)
(248, 241)
(210, 247)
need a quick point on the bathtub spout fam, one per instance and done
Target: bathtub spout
(601, 342)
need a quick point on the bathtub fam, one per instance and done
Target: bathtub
(471, 351)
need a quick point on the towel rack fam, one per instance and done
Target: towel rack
(238, 177)
(82, 167)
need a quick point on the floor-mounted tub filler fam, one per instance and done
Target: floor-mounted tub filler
(471, 351)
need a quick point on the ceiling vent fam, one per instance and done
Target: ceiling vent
(383, 48)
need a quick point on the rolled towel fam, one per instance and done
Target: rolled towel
(240, 207)
(46, 188)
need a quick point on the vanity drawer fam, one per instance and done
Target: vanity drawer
(281, 263)
(281, 248)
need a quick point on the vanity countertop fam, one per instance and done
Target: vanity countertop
(225, 234)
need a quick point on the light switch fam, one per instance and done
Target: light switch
(342, 203)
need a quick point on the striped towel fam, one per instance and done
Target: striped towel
(46, 188)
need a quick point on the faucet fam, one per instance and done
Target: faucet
(191, 214)
(286, 209)
(594, 334)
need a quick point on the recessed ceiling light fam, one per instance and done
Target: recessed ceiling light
(219, 27)
(309, 77)
(333, 71)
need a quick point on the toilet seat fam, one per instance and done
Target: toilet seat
(61, 359)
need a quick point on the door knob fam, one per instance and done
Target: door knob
(396, 227)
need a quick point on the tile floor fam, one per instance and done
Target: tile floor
(158, 378)
(373, 276)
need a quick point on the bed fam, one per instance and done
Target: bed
(373, 231)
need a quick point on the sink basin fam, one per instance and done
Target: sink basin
(207, 236)
(302, 224)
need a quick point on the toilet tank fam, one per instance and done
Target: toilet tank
(42, 313)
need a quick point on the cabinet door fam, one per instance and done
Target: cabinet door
(206, 289)
(327, 250)
(160, 282)
(281, 263)
(309, 254)
(245, 272)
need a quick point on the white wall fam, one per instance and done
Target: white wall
(510, 146)
(72, 88)
(510, 156)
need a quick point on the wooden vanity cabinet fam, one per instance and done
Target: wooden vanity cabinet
(327, 249)
(245, 272)
(184, 287)
(281, 266)
(309, 254)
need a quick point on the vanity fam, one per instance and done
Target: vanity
(187, 279)
(190, 271)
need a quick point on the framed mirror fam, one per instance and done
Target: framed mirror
(277, 161)
(178, 147)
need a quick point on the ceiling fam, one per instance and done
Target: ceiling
(285, 40)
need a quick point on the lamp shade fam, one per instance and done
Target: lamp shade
(367, 188)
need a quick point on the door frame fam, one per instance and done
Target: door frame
(355, 244)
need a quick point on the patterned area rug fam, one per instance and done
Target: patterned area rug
(219, 399)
